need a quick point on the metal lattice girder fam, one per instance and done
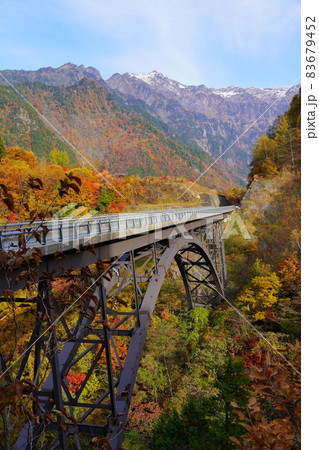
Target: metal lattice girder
(106, 342)
(175, 250)
(212, 236)
(199, 275)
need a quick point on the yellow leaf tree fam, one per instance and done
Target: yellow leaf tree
(261, 294)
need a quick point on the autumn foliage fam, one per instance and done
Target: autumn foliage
(32, 189)
(280, 148)
(272, 417)
(207, 378)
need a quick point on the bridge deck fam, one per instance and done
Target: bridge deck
(65, 234)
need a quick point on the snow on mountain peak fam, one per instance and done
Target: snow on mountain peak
(164, 84)
(157, 78)
(147, 77)
(225, 93)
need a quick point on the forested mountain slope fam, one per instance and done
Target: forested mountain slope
(21, 125)
(209, 118)
(107, 135)
(214, 119)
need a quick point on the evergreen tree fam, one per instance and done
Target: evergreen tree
(233, 386)
(293, 114)
(207, 422)
(283, 140)
(3, 151)
(104, 199)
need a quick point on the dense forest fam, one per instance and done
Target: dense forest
(26, 196)
(223, 378)
(106, 135)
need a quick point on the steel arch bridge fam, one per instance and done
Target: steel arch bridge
(122, 281)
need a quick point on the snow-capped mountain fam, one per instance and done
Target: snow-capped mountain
(217, 119)
(158, 79)
(161, 82)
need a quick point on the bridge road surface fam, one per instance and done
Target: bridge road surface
(62, 235)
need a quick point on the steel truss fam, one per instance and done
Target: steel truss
(105, 345)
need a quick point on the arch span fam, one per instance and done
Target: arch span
(202, 286)
(192, 258)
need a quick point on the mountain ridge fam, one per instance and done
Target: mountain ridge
(155, 76)
(217, 120)
(109, 136)
(64, 75)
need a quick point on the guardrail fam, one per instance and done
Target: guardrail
(67, 230)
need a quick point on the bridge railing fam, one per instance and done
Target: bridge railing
(73, 229)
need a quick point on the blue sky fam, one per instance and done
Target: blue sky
(212, 42)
